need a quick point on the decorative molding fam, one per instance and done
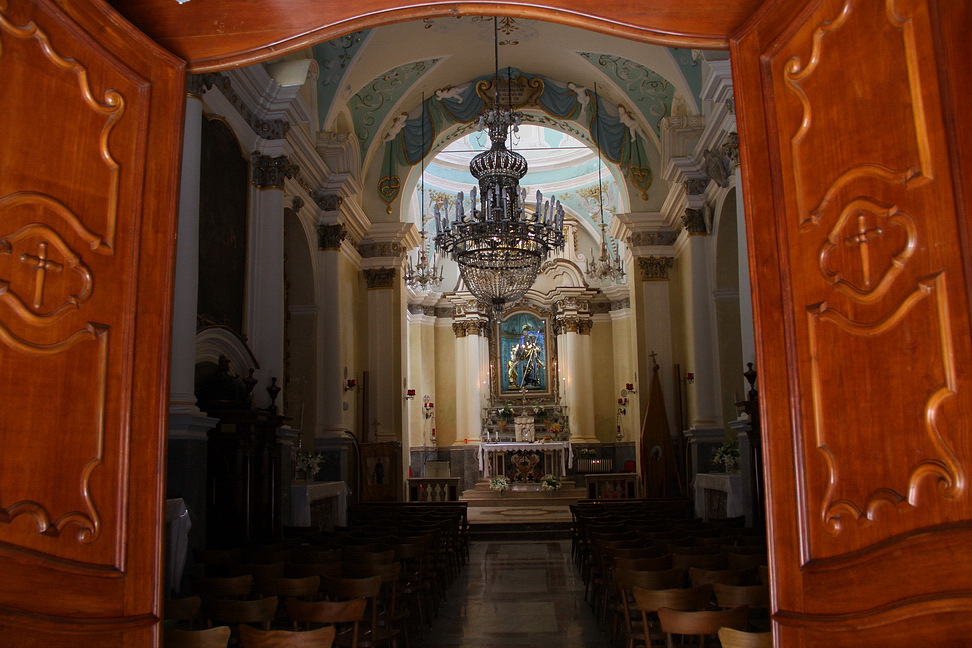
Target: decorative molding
(716, 167)
(198, 84)
(573, 304)
(695, 186)
(655, 268)
(372, 250)
(621, 304)
(600, 308)
(660, 237)
(327, 201)
(270, 172)
(682, 121)
(445, 312)
(572, 324)
(296, 203)
(694, 221)
(329, 237)
(377, 278)
(730, 149)
(731, 105)
(264, 128)
(459, 328)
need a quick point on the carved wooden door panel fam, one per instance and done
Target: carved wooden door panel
(92, 116)
(852, 155)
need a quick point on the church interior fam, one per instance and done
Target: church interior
(311, 288)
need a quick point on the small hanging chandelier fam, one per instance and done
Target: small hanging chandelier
(499, 246)
(425, 274)
(608, 266)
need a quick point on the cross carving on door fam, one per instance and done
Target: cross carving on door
(41, 264)
(862, 238)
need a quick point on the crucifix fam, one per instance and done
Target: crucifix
(41, 264)
(861, 239)
(653, 355)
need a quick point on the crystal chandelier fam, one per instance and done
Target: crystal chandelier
(498, 245)
(425, 274)
(608, 266)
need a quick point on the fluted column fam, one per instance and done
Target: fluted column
(265, 270)
(386, 362)
(572, 326)
(471, 365)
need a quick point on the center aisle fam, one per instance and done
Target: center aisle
(516, 593)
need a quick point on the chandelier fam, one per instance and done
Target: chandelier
(425, 274)
(608, 266)
(499, 245)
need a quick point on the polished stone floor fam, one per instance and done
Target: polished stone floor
(516, 593)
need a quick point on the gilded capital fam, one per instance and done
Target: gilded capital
(376, 278)
(655, 268)
(270, 172)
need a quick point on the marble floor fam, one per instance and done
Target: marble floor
(516, 593)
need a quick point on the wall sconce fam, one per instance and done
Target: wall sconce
(622, 406)
(428, 407)
(630, 388)
(351, 384)
(410, 394)
(690, 378)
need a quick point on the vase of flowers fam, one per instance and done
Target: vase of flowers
(507, 413)
(539, 412)
(727, 454)
(499, 483)
(308, 464)
(550, 483)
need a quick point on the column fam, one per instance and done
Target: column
(701, 359)
(385, 351)
(572, 326)
(186, 476)
(265, 271)
(471, 366)
(331, 289)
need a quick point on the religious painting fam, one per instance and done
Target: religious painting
(524, 354)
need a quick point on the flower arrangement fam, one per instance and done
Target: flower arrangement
(506, 412)
(309, 463)
(555, 428)
(727, 454)
(539, 411)
(587, 452)
(499, 483)
(550, 483)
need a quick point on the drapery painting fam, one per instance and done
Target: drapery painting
(524, 354)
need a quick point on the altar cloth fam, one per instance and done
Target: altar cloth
(562, 448)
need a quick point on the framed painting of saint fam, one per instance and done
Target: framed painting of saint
(524, 354)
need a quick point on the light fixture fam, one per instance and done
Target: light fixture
(424, 275)
(499, 246)
(409, 394)
(351, 384)
(608, 266)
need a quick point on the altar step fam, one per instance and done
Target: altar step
(522, 495)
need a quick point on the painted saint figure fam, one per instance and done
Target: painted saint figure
(526, 360)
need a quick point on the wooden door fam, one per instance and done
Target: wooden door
(853, 151)
(92, 116)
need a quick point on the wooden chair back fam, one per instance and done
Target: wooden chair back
(635, 552)
(732, 638)
(365, 557)
(713, 576)
(216, 587)
(283, 587)
(729, 596)
(260, 611)
(302, 570)
(217, 556)
(746, 561)
(658, 563)
(690, 598)
(269, 570)
(655, 580)
(328, 612)
(253, 638)
(687, 561)
(217, 637)
(701, 623)
(182, 609)
(694, 550)
(315, 556)
(745, 549)
(266, 556)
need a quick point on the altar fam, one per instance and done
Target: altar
(530, 461)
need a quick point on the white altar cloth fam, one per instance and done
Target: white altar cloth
(301, 497)
(562, 448)
(729, 483)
